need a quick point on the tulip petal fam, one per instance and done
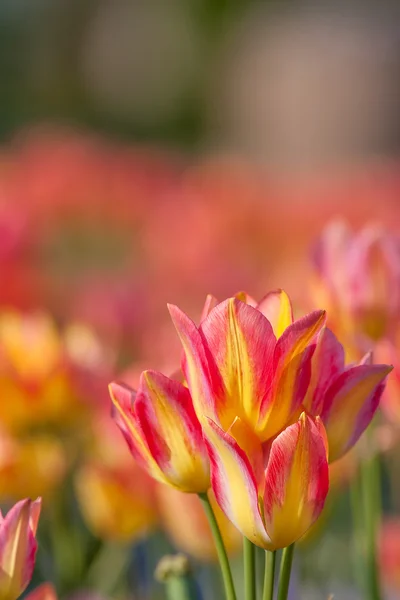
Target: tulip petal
(123, 398)
(166, 416)
(45, 591)
(277, 308)
(297, 482)
(210, 303)
(200, 372)
(292, 371)
(246, 298)
(241, 342)
(350, 404)
(234, 484)
(327, 364)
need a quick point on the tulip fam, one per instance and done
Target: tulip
(237, 367)
(45, 591)
(358, 279)
(345, 397)
(272, 506)
(18, 547)
(31, 466)
(125, 506)
(162, 431)
(389, 554)
(43, 373)
(116, 504)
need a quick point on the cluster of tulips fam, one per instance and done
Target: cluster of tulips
(260, 406)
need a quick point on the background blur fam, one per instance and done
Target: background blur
(155, 151)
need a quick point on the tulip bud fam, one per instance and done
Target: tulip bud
(18, 547)
(162, 431)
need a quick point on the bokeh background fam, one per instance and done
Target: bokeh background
(155, 151)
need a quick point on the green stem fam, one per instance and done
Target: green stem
(284, 573)
(249, 561)
(108, 566)
(371, 485)
(230, 593)
(269, 575)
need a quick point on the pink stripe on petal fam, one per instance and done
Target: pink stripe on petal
(200, 372)
(327, 364)
(173, 434)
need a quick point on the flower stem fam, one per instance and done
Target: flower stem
(230, 593)
(370, 482)
(284, 573)
(249, 560)
(269, 575)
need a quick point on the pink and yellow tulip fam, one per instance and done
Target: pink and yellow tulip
(358, 280)
(116, 505)
(344, 397)
(239, 364)
(273, 506)
(162, 431)
(18, 547)
(44, 373)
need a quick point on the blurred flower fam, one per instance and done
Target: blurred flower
(358, 280)
(273, 507)
(54, 381)
(45, 591)
(33, 465)
(389, 553)
(18, 547)
(116, 505)
(36, 374)
(238, 371)
(345, 397)
(191, 532)
(115, 495)
(162, 431)
(386, 351)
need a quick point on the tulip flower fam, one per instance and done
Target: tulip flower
(345, 397)
(44, 591)
(358, 279)
(31, 466)
(125, 507)
(42, 372)
(162, 431)
(18, 547)
(389, 555)
(116, 505)
(272, 506)
(239, 364)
